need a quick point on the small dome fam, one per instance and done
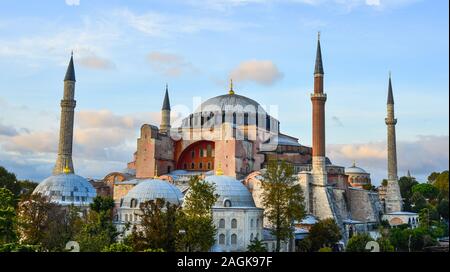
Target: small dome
(355, 170)
(151, 189)
(67, 189)
(229, 102)
(232, 193)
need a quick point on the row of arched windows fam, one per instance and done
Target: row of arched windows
(200, 166)
(233, 223)
(233, 239)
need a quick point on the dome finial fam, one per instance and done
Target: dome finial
(231, 92)
(156, 171)
(219, 171)
(66, 169)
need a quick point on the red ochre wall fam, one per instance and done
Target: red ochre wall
(191, 155)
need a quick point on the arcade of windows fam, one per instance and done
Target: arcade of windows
(234, 224)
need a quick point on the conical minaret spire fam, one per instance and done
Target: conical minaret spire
(64, 162)
(318, 70)
(393, 196)
(165, 113)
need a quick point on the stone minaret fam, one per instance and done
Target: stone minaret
(320, 204)
(393, 196)
(318, 99)
(68, 104)
(165, 114)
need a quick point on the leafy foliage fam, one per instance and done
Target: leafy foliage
(406, 184)
(358, 243)
(7, 216)
(97, 231)
(282, 198)
(324, 233)
(158, 228)
(256, 246)
(195, 219)
(117, 247)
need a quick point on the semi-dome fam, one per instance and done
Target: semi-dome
(151, 189)
(67, 189)
(230, 102)
(232, 193)
(355, 170)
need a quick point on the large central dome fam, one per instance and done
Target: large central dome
(230, 102)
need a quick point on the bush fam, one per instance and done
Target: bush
(117, 247)
(358, 243)
(325, 249)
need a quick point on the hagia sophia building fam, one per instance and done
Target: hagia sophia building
(228, 140)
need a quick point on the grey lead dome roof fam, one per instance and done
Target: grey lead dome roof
(151, 189)
(355, 170)
(67, 189)
(228, 102)
(231, 189)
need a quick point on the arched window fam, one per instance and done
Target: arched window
(257, 222)
(192, 165)
(251, 237)
(233, 239)
(126, 217)
(227, 203)
(133, 203)
(222, 223)
(251, 223)
(222, 239)
(209, 165)
(193, 154)
(200, 165)
(201, 153)
(233, 223)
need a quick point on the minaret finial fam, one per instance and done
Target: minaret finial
(231, 92)
(318, 35)
(219, 171)
(66, 169)
(354, 163)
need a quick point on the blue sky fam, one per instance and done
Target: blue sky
(125, 52)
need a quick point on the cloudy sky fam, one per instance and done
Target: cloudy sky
(126, 51)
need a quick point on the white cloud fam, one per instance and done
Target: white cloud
(373, 2)
(422, 156)
(168, 64)
(73, 2)
(96, 62)
(263, 72)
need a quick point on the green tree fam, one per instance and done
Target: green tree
(9, 181)
(7, 216)
(117, 247)
(358, 243)
(97, 231)
(158, 227)
(325, 233)
(429, 191)
(406, 184)
(195, 219)
(26, 187)
(46, 224)
(384, 182)
(441, 183)
(283, 200)
(385, 244)
(443, 208)
(418, 202)
(432, 177)
(256, 246)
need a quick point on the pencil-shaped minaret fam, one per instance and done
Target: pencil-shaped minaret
(318, 99)
(68, 104)
(165, 113)
(393, 196)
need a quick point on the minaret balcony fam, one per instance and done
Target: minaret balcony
(319, 96)
(390, 121)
